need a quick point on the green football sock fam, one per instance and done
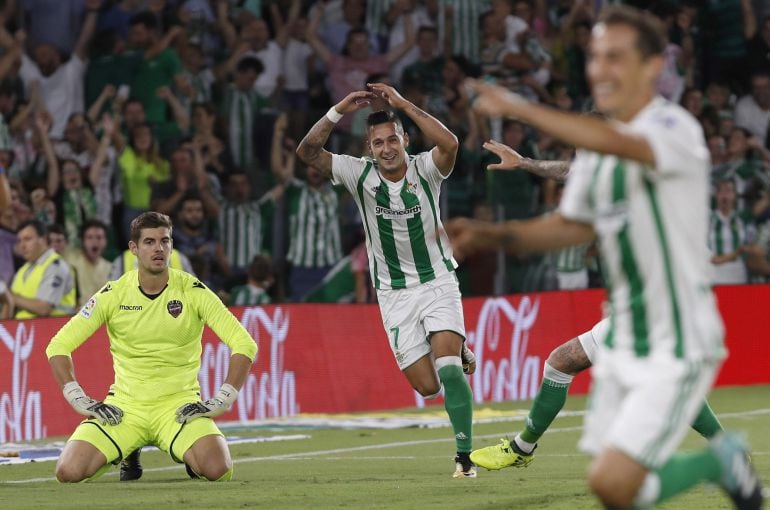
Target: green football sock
(458, 402)
(706, 423)
(682, 471)
(547, 404)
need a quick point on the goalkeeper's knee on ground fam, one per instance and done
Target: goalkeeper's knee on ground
(99, 472)
(226, 477)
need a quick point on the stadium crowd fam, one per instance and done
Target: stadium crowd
(193, 108)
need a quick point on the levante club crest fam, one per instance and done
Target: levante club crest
(174, 307)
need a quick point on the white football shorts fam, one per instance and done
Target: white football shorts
(411, 315)
(644, 407)
(591, 339)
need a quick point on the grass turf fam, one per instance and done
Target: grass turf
(381, 469)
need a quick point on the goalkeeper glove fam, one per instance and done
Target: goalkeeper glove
(85, 405)
(212, 407)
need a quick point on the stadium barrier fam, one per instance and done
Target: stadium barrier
(335, 358)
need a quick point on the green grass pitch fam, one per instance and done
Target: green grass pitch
(379, 469)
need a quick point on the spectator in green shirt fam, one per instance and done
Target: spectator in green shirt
(159, 68)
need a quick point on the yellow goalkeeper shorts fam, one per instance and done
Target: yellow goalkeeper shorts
(146, 423)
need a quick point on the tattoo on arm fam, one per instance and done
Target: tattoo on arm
(419, 112)
(311, 148)
(556, 170)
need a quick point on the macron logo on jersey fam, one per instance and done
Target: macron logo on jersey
(397, 214)
(130, 307)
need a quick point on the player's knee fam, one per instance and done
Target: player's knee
(556, 359)
(217, 470)
(434, 395)
(611, 490)
(569, 358)
(428, 391)
(67, 473)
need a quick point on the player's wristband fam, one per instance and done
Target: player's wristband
(333, 115)
(227, 394)
(72, 391)
(2, 170)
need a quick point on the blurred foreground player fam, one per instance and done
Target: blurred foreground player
(640, 182)
(564, 362)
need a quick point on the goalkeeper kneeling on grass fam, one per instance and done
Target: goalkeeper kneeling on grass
(155, 318)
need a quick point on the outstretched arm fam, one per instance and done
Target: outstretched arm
(97, 165)
(95, 110)
(399, 51)
(311, 34)
(445, 152)
(181, 117)
(545, 233)
(282, 158)
(88, 28)
(512, 160)
(580, 131)
(311, 149)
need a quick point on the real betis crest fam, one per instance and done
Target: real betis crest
(174, 308)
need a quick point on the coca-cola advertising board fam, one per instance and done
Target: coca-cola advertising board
(336, 358)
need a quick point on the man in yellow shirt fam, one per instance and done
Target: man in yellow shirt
(44, 285)
(155, 317)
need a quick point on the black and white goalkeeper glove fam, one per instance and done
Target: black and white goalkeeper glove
(212, 407)
(85, 405)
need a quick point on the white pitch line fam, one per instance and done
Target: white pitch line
(302, 455)
(305, 455)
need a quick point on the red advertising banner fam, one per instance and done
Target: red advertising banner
(336, 358)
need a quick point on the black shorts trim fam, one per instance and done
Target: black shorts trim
(171, 446)
(120, 452)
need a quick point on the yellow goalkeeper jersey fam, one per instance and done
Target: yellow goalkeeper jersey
(155, 340)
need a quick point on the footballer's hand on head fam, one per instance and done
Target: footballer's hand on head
(85, 405)
(354, 101)
(211, 408)
(389, 94)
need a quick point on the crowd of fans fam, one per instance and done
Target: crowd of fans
(193, 108)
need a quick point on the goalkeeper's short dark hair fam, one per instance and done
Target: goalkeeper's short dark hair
(383, 117)
(149, 219)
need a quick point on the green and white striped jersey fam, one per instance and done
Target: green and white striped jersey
(375, 16)
(726, 235)
(240, 109)
(405, 240)
(314, 227)
(572, 258)
(244, 229)
(249, 295)
(466, 33)
(652, 225)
